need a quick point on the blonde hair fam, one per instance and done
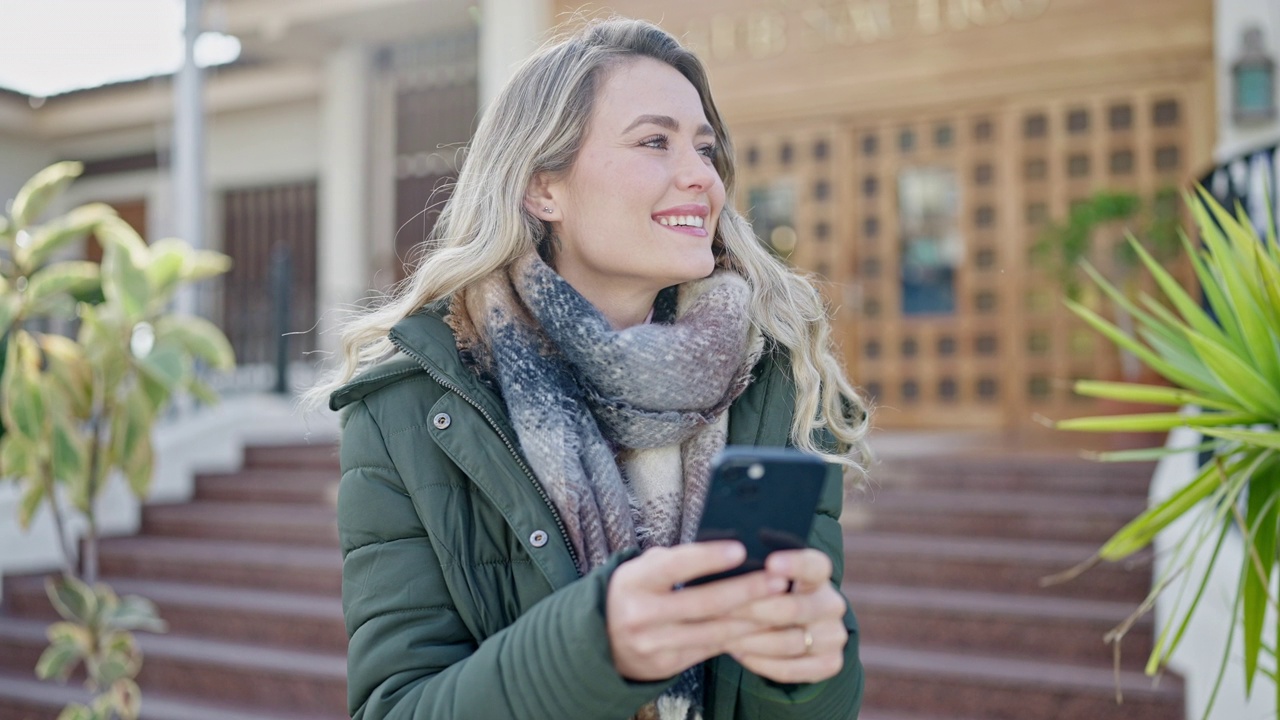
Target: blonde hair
(536, 125)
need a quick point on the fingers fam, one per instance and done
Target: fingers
(807, 669)
(810, 569)
(796, 608)
(660, 569)
(826, 637)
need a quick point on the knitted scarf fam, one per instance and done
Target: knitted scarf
(618, 426)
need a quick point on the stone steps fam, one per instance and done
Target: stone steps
(287, 524)
(248, 577)
(963, 684)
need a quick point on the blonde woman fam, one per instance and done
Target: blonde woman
(529, 423)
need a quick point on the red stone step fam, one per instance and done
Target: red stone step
(28, 699)
(1032, 516)
(1000, 565)
(205, 669)
(292, 457)
(280, 619)
(1026, 474)
(259, 522)
(224, 563)
(1069, 630)
(995, 688)
(311, 486)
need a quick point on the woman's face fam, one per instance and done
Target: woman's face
(638, 209)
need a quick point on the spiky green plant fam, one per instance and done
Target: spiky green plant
(1225, 361)
(77, 409)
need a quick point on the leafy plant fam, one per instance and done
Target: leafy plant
(1224, 359)
(77, 409)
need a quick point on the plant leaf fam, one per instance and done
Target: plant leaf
(1146, 454)
(43, 187)
(76, 711)
(1153, 422)
(1254, 438)
(1262, 512)
(60, 232)
(73, 599)
(203, 264)
(1151, 394)
(1117, 336)
(57, 661)
(200, 338)
(136, 613)
(126, 697)
(124, 278)
(1238, 377)
(70, 277)
(24, 409)
(29, 504)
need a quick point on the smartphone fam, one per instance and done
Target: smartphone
(764, 498)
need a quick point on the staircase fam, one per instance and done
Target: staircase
(248, 576)
(943, 565)
(943, 562)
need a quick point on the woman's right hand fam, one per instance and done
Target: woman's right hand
(655, 631)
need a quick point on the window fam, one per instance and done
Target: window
(947, 389)
(1122, 162)
(1037, 213)
(1035, 169)
(753, 155)
(1165, 113)
(822, 231)
(932, 249)
(1035, 126)
(820, 150)
(1253, 81)
(821, 190)
(906, 141)
(871, 349)
(909, 347)
(871, 268)
(984, 216)
(1038, 387)
(983, 174)
(785, 153)
(985, 258)
(871, 228)
(871, 308)
(1078, 121)
(985, 301)
(1078, 165)
(1167, 158)
(987, 388)
(1038, 343)
(985, 344)
(910, 390)
(771, 209)
(943, 136)
(870, 144)
(983, 131)
(946, 346)
(870, 186)
(1120, 117)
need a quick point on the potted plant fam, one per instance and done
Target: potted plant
(78, 408)
(1223, 358)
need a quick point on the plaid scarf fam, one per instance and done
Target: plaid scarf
(619, 426)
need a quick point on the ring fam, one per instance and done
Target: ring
(808, 641)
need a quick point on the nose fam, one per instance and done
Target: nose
(695, 172)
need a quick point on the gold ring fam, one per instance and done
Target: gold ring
(808, 641)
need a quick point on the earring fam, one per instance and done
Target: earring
(546, 209)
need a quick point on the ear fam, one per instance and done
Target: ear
(540, 200)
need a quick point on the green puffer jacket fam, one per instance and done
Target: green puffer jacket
(460, 592)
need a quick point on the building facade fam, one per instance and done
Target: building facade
(909, 153)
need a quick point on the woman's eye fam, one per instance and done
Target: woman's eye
(657, 141)
(709, 151)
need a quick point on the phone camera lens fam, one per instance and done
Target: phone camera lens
(755, 471)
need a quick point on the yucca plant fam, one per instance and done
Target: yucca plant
(1222, 360)
(77, 409)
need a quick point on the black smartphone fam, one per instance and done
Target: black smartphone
(764, 498)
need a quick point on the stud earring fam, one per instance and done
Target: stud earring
(546, 209)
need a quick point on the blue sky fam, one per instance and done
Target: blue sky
(54, 46)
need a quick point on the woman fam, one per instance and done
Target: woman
(592, 324)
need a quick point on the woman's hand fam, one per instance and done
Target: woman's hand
(804, 636)
(656, 632)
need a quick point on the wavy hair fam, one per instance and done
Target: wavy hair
(536, 125)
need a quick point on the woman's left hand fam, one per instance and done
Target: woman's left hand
(806, 636)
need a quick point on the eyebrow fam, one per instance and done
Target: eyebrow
(667, 122)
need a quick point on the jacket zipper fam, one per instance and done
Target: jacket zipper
(447, 385)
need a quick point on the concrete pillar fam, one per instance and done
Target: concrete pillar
(343, 272)
(510, 30)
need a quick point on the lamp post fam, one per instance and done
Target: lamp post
(187, 154)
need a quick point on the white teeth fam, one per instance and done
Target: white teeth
(686, 220)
